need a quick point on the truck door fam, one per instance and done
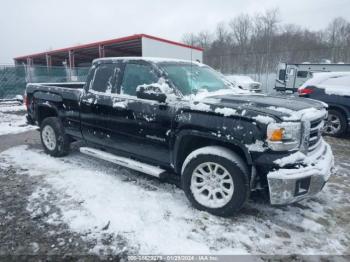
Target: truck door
(96, 103)
(290, 77)
(140, 126)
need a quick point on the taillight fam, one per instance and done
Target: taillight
(305, 91)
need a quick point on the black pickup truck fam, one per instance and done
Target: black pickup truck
(168, 117)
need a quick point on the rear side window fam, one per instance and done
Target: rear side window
(302, 74)
(104, 78)
(136, 75)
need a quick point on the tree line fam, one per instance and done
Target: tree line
(255, 44)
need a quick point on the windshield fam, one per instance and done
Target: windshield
(192, 78)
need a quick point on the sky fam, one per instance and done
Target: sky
(31, 26)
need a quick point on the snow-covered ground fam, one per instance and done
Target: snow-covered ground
(12, 119)
(96, 197)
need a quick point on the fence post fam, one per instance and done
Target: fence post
(71, 63)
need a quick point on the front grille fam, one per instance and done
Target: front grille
(316, 126)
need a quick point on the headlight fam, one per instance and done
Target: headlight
(284, 136)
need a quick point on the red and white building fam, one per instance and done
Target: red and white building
(136, 45)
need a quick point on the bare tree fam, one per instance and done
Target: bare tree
(255, 44)
(204, 39)
(338, 33)
(189, 38)
(241, 28)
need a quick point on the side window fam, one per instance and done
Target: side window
(104, 78)
(282, 75)
(135, 75)
(302, 74)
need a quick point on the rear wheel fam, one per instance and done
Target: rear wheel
(55, 142)
(215, 179)
(335, 124)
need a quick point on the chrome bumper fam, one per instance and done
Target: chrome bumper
(292, 185)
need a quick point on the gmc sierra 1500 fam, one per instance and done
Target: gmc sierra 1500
(169, 117)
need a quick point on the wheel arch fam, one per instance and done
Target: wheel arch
(44, 111)
(189, 140)
(340, 109)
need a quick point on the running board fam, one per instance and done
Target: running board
(123, 161)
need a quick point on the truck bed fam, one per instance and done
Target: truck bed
(70, 90)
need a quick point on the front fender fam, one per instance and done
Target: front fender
(229, 141)
(343, 108)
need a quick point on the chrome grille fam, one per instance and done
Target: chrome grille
(315, 133)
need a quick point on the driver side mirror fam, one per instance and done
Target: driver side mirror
(150, 92)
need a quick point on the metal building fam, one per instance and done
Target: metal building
(135, 45)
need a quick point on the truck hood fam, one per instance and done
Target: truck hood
(284, 108)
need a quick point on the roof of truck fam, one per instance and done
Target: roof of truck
(149, 59)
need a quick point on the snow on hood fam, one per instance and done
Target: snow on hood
(304, 114)
(285, 108)
(222, 92)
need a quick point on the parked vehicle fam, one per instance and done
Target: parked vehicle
(245, 82)
(174, 118)
(292, 76)
(18, 99)
(334, 89)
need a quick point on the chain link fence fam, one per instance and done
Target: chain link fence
(13, 79)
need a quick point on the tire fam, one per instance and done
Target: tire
(336, 124)
(53, 138)
(230, 168)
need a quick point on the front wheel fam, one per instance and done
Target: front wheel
(215, 180)
(56, 143)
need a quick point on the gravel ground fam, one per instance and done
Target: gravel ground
(26, 230)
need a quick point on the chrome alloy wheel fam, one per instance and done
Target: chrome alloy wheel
(49, 137)
(212, 185)
(332, 125)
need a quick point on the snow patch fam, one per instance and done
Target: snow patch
(258, 146)
(14, 124)
(214, 150)
(200, 107)
(156, 218)
(226, 111)
(264, 119)
(304, 114)
(296, 157)
(4, 108)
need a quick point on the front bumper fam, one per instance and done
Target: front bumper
(294, 184)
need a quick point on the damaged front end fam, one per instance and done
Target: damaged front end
(307, 178)
(303, 173)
